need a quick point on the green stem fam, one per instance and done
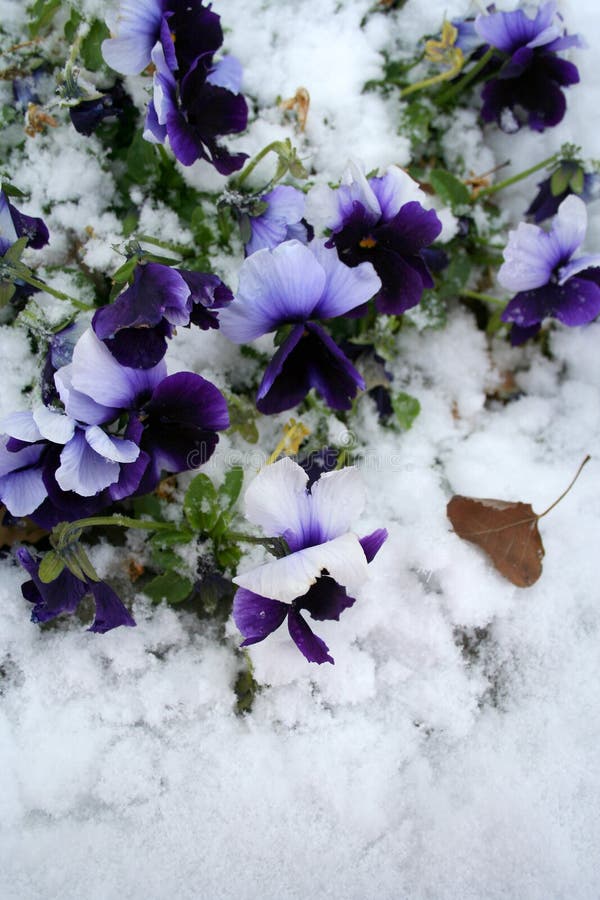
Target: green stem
(514, 179)
(467, 78)
(68, 530)
(165, 245)
(427, 82)
(25, 275)
(277, 546)
(486, 298)
(254, 162)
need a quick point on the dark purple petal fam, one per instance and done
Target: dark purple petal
(325, 599)
(577, 301)
(197, 31)
(372, 543)
(529, 307)
(308, 358)
(317, 463)
(62, 595)
(411, 229)
(30, 227)
(157, 292)
(256, 617)
(110, 610)
(311, 646)
(88, 114)
(519, 335)
(402, 282)
(189, 399)
(208, 294)
(140, 348)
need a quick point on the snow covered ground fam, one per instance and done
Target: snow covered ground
(452, 751)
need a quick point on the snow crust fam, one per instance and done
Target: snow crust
(452, 751)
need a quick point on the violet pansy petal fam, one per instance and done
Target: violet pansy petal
(393, 190)
(579, 302)
(576, 266)
(23, 491)
(8, 233)
(337, 500)
(114, 448)
(110, 610)
(527, 308)
(227, 73)
(372, 543)
(529, 259)
(137, 27)
(130, 477)
(568, 227)
(277, 500)
(21, 425)
(256, 617)
(291, 576)
(355, 187)
(345, 288)
(10, 461)
(189, 399)
(308, 643)
(55, 426)
(82, 470)
(157, 292)
(77, 405)
(97, 373)
(267, 233)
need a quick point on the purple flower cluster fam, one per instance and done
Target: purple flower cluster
(539, 265)
(327, 563)
(527, 86)
(195, 100)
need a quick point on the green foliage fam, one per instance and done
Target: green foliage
(170, 586)
(242, 418)
(246, 688)
(406, 408)
(91, 46)
(41, 14)
(449, 188)
(50, 567)
(201, 504)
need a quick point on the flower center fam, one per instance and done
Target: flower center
(368, 242)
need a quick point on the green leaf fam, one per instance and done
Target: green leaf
(246, 689)
(200, 504)
(171, 586)
(242, 418)
(124, 272)
(168, 538)
(15, 251)
(456, 276)
(560, 181)
(142, 161)
(449, 188)
(577, 181)
(72, 24)
(91, 46)
(7, 291)
(50, 567)
(42, 13)
(407, 409)
(232, 486)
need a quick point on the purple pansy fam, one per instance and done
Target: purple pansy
(527, 88)
(327, 562)
(295, 285)
(539, 266)
(136, 326)
(568, 178)
(15, 224)
(87, 115)
(64, 594)
(381, 221)
(281, 221)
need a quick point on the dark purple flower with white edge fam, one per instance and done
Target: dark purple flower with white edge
(136, 326)
(65, 593)
(538, 265)
(295, 285)
(194, 112)
(382, 221)
(281, 221)
(527, 89)
(15, 224)
(327, 563)
(568, 178)
(174, 418)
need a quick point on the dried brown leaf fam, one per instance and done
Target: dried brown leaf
(14, 534)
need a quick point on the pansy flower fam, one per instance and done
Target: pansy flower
(136, 326)
(297, 285)
(65, 593)
(15, 224)
(527, 88)
(327, 563)
(539, 265)
(382, 221)
(282, 220)
(87, 115)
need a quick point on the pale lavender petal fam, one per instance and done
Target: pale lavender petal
(137, 27)
(227, 73)
(345, 287)
(54, 425)
(393, 190)
(10, 461)
(21, 425)
(276, 286)
(113, 448)
(23, 491)
(568, 227)
(578, 265)
(8, 234)
(78, 405)
(83, 470)
(97, 373)
(529, 258)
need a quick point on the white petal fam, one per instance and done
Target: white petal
(529, 258)
(569, 226)
(115, 449)
(54, 425)
(337, 499)
(290, 577)
(83, 470)
(78, 405)
(277, 500)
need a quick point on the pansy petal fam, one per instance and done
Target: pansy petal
(10, 460)
(325, 600)
(529, 258)
(393, 190)
(77, 405)
(137, 27)
(113, 448)
(291, 576)
(345, 288)
(21, 425)
(23, 491)
(277, 500)
(578, 303)
(110, 610)
(337, 500)
(577, 266)
(54, 425)
(227, 73)
(568, 227)
(527, 308)
(189, 399)
(372, 543)
(307, 642)
(83, 470)
(256, 617)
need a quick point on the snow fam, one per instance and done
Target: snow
(452, 751)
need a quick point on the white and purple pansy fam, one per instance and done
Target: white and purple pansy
(527, 88)
(540, 267)
(299, 285)
(281, 221)
(327, 563)
(380, 220)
